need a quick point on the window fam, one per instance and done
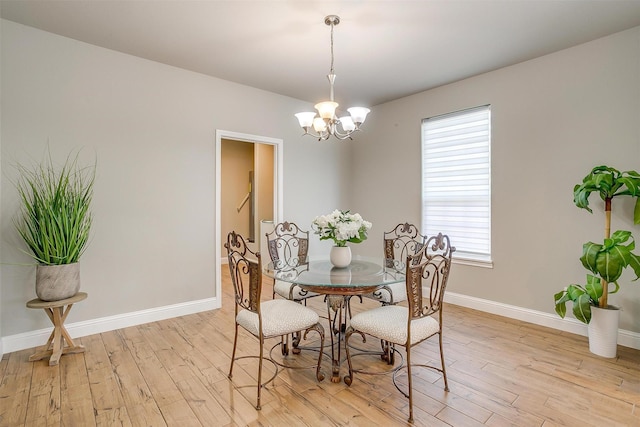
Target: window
(456, 181)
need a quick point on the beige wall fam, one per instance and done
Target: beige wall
(152, 128)
(553, 119)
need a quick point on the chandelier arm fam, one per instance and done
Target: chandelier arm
(340, 135)
(322, 136)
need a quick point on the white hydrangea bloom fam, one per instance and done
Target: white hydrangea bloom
(341, 227)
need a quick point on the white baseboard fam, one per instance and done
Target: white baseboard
(625, 338)
(95, 326)
(104, 324)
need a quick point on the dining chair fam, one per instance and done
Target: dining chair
(402, 241)
(288, 248)
(264, 319)
(427, 273)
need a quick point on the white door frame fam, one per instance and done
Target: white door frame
(277, 194)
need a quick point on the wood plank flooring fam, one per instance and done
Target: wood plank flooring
(501, 372)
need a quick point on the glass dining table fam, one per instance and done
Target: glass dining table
(363, 276)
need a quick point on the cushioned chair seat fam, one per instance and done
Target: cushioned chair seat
(284, 289)
(398, 290)
(389, 323)
(279, 317)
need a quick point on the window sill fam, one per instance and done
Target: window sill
(474, 262)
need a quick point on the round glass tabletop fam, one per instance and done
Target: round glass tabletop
(319, 275)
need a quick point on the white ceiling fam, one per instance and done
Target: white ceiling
(384, 50)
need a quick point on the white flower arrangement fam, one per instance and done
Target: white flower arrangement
(341, 227)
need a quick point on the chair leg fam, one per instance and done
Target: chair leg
(233, 353)
(444, 369)
(260, 373)
(348, 379)
(295, 342)
(388, 352)
(284, 345)
(318, 328)
(408, 348)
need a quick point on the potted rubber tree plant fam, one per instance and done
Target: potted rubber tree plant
(54, 221)
(606, 262)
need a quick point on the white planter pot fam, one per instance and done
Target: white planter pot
(340, 256)
(603, 331)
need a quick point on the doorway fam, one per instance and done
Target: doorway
(249, 182)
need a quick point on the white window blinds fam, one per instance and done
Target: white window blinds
(456, 180)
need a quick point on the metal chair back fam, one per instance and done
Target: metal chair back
(245, 267)
(428, 269)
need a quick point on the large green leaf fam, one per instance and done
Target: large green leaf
(561, 299)
(582, 308)
(594, 287)
(610, 264)
(574, 291)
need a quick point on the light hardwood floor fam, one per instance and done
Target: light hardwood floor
(501, 372)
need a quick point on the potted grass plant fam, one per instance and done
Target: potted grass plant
(54, 221)
(606, 262)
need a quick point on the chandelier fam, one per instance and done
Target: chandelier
(325, 124)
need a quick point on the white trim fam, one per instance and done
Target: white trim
(472, 262)
(277, 195)
(104, 324)
(625, 338)
(95, 326)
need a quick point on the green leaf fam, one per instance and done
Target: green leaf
(616, 289)
(561, 299)
(634, 263)
(621, 236)
(582, 308)
(589, 256)
(574, 291)
(594, 287)
(610, 264)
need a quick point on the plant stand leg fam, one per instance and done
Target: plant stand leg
(55, 347)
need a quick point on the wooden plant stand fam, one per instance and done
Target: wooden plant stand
(57, 311)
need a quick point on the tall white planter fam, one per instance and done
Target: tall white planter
(603, 331)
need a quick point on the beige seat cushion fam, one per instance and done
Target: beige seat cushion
(398, 290)
(283, 289)
(279, 317)
(390, 324)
